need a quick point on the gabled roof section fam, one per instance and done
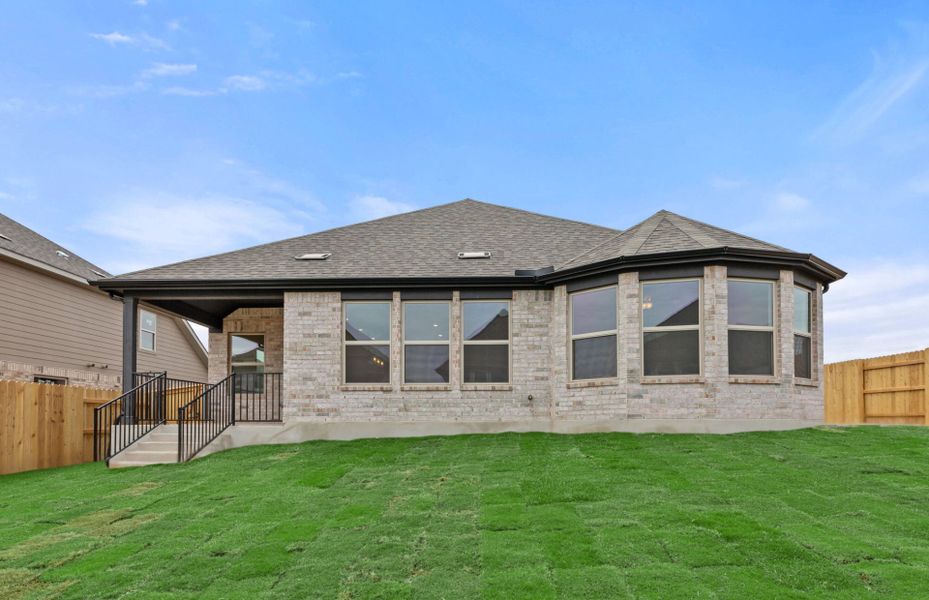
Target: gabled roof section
(666, 232)
(21, 242)
(419, 244)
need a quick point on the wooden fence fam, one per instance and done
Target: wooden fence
(45, 426)
(887, 389)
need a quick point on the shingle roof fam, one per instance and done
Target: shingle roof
(422, 243)
(666, 232)
(19, 239)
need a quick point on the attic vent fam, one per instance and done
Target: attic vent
(98, 273)
(62, 254)
(470, 255)
(313, 256)
(5, 238)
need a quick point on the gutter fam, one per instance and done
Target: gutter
(528, 278)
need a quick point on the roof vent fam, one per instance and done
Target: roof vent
(470, 255)
(313, 256)
(5, 238)
(62, 254)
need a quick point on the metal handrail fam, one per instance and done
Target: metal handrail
(132, 424)
(201, 420)
(258, 397)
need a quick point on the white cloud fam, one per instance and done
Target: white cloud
(184, 91)
(158, 228)
(348, 75)
(878, 309)
(142, 40)
(169, 70)
(140, 2)
(789, 202)
(113, 38)
(245, 83)
(366, 208)
(174, 25)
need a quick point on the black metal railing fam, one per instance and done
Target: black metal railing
(120, 422)
(201, 420)
(258, 396)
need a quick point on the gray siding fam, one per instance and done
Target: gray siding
(52, 323)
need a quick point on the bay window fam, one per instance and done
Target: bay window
(425, 342)
(366, 342)
(671, 328)
(593, 334)
(803, 333)
(751, 327)
(486, 341)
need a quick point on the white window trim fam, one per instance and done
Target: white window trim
(506, 342)
(593, 334)
(656, 329)
(154, 332)
(806, 334)
(346, 342)
(773, 328)
(404, 343)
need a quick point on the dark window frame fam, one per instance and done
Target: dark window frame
(772, 329)
(593, 334)
(245, 384)
(347, 342)
(142, 329)
(507, 342)
(666, 328)
(807, 334)
(404, 343)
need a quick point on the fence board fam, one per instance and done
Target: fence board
(887, 389)
(45, 426)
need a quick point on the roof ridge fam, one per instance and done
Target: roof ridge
(687, 229)
(729, 231)
(658, 217)
(607, 241)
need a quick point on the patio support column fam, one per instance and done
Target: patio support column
(130, 341)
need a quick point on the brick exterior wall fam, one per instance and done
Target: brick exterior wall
(79, 377)
(265, 321)
(306, 338)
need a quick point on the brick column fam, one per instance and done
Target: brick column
(628, 319)
(715, 327)
(454, 341)
(785, 327)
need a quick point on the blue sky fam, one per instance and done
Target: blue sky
(139, 133)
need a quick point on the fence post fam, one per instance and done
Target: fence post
(232, 397)
(180, 433)
(926, 385)
(861, 389)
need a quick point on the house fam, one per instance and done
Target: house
(57, 328)
(472, 317)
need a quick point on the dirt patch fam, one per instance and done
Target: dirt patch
(139, 489)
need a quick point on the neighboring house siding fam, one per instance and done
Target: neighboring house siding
(53, 327)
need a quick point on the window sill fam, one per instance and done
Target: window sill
(425, 387)
(759, 380)
(806, 382)
(361, 387)
(589, 383)
(486, 387)
(659, 379)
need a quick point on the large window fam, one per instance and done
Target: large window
(425, 342)
(593, 334)
(671, 327)
(148, 328)
(486, 341)
(751, 327)
(367, 342)
(247, 361)
(803, 333)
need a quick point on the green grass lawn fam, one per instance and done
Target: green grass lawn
(827, 513)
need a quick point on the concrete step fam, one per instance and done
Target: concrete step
(150, 445)
(161, 437)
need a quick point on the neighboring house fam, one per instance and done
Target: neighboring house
(57, 328)
(476, 317)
